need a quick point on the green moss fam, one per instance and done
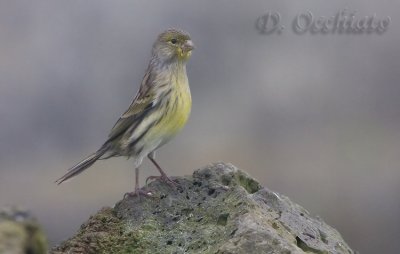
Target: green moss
(223, 219)
(248, 183)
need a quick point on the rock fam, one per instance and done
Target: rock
(20, 233)
(219, 209)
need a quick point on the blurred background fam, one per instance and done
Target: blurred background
(314, 117)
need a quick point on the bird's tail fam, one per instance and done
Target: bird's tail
(84, 164)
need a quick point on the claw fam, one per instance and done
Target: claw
(138, 192)
(163, 178)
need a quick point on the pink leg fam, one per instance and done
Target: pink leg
(163, 176)
(138, 191)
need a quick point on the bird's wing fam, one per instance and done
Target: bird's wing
(144, 100)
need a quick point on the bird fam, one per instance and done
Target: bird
(159, 110)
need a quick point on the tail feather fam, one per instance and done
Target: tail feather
(84, 164)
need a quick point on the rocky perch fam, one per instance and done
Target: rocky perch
(219, 209)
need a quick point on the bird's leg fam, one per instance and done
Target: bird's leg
(138, 191)
(163, 176)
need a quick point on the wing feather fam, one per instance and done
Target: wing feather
(144, 100)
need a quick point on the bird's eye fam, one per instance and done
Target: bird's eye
(174, 41)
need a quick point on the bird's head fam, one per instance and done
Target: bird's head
(173, 44)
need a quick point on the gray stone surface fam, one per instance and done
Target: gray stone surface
(219, 209)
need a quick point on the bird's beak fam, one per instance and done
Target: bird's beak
(188, 46)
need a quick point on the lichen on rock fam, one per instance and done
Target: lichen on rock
(219, 209)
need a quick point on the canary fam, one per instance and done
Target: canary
(158, 112)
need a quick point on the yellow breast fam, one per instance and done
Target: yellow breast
(179, 108)
(176, 112)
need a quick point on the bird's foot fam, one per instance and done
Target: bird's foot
(164, 178)
(138, 193)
